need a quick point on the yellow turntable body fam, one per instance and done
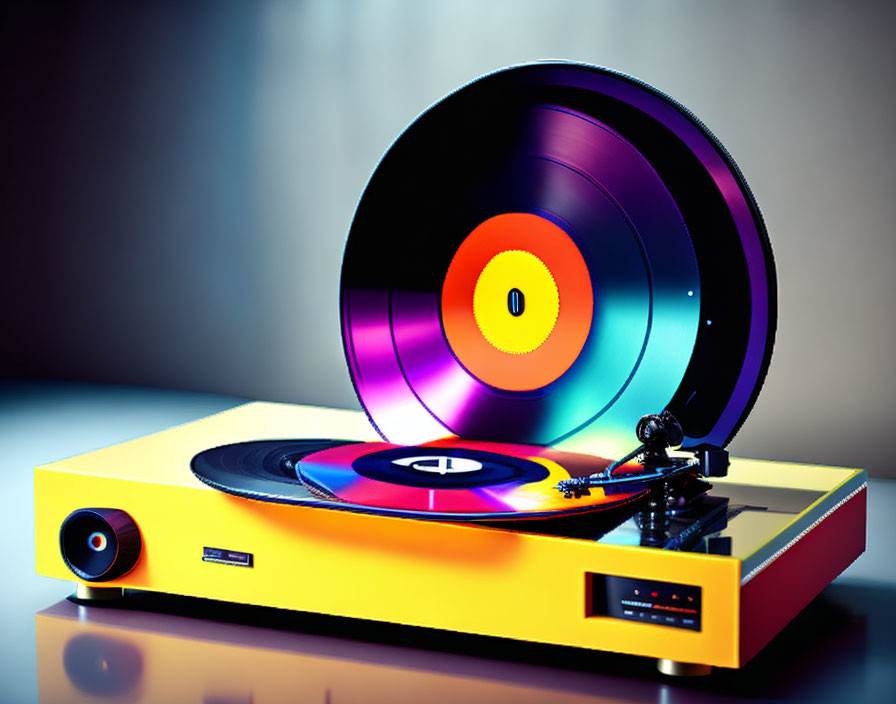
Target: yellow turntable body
(458, 577)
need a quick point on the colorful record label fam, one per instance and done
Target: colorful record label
(457, 477)
(529, 343)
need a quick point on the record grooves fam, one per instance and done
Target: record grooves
(262, 470)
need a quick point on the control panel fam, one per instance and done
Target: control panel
(646, 601)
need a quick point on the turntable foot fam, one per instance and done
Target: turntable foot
(91, 593)
(674, 668)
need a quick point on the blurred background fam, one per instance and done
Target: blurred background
(178, 180)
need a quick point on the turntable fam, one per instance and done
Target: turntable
(558, 307)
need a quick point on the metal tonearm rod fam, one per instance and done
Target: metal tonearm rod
(657, 433)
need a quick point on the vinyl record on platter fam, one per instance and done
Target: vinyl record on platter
(261, 469)
(444, 480)
(548, 254)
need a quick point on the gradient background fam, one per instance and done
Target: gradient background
(178, 181)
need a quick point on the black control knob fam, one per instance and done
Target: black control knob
(99, 544)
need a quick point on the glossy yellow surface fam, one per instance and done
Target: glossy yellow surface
(450, 576)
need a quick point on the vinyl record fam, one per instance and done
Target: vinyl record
(548, 254)
(455, 479)
(444, 480)
(262, 469)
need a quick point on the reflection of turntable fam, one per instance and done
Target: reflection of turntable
(543, 258)
(115, 655)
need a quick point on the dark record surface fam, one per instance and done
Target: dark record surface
(263, 469)
(676, 309)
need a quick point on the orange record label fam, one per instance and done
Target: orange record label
(517, 302)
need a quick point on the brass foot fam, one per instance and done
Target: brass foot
(675, 668)
(91, 593)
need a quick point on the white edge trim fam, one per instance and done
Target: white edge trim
(756, 570)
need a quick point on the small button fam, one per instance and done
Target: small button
(628, 612)
(671, 620)
(688, 622)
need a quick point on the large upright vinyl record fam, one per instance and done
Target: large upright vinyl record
(548, 254)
